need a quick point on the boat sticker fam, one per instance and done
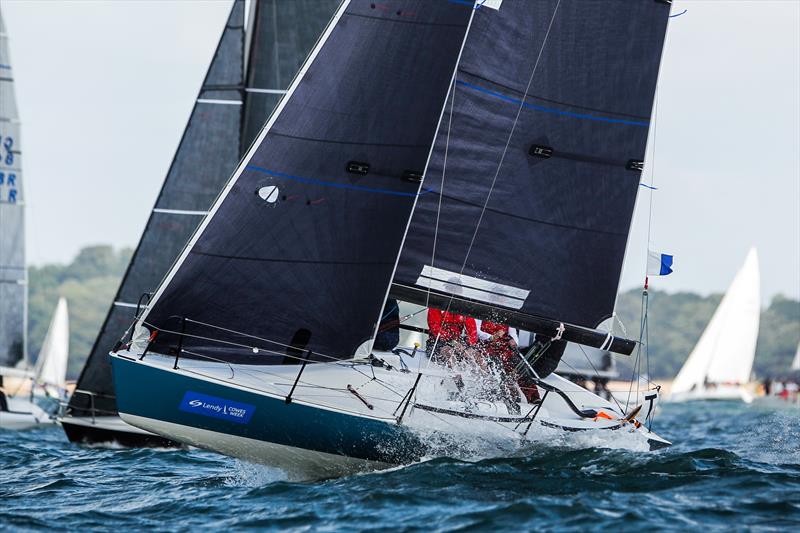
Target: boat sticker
(215, 407)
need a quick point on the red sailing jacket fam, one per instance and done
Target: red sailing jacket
(501, 346)
(449, 326)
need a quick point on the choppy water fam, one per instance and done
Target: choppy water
(733, 467)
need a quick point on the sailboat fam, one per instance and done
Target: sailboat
(796, 360)
(722, 360)
(14, 366)
(247, 76)
(37, 393)
(481, 158)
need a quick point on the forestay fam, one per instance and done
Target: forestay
(300, 248)
(208, 151)
(13, 278)
(530, 191)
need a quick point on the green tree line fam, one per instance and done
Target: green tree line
(676, 320)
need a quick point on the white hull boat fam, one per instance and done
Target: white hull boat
(722, 360)
(23, 414)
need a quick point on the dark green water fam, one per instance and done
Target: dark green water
(734, 467)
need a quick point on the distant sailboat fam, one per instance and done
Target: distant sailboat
(247, 347)
(50, 372)
(15, 412)
(230, 109)
(796, 360)
(722, 360)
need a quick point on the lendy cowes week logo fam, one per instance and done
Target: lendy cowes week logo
(215, 407)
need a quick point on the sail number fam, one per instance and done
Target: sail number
(8, 156)
(9, 180)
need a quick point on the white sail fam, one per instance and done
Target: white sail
(796, 361)
(51, 366)
(725, 351)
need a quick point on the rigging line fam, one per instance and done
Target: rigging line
(441, 187)
(595, 371)
(250, 336)
(510, 135)
(439, 210)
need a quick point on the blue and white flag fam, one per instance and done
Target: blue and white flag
(658, 264)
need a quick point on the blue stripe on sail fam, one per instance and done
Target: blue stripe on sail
(313, 181)
(7, 67)
(678, 14)
(551, 110)
(646, 186)
(469, 3)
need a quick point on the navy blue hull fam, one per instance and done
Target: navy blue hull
(158, 394)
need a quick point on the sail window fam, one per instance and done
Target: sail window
(540, 150)
(414, 176)
(269, 194)
(635, 164)
(357, 167)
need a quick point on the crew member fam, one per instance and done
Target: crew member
(446, 332)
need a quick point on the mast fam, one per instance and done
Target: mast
(299, 248)
(13, 271)
(530, 191)
(208, 149)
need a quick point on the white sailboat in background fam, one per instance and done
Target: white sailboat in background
(51, 366)
(721, 362)
(28, 390)
(796, 360)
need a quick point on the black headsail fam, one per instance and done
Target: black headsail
(531, 187)
(281, 35)
(208, 150)
(300, 247)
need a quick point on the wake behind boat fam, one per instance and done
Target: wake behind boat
(483, 160)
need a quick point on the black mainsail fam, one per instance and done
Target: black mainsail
(531, 187)
(13, 279)
(209, 149)
(300, 247)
